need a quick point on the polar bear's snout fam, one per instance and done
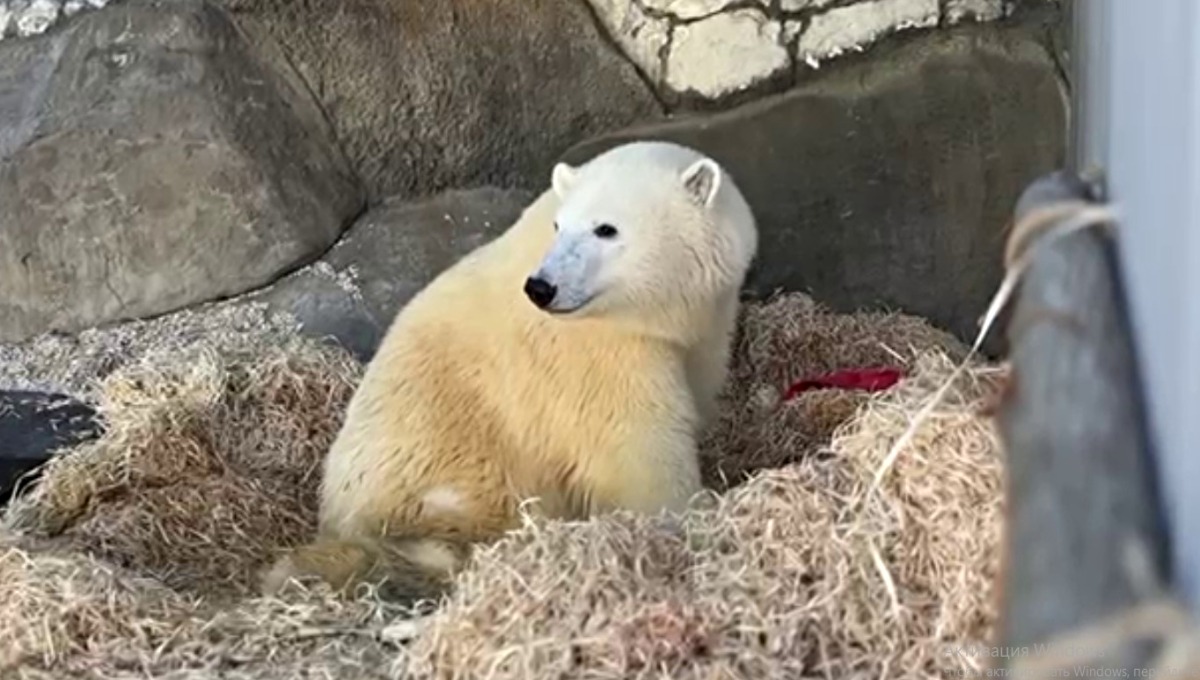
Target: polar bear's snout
(567, 278)
(540, 291)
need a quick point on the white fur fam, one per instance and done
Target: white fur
(478, 399)
(684, 233)
(444, 500)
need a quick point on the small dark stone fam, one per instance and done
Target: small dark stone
(33, 427)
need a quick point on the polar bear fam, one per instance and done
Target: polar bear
(571, 363)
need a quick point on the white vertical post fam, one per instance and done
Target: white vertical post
(1137, 104)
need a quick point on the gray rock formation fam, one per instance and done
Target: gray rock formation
(23, 18)
(353, 293)
(889, 181)
(157, 155)
(152, 158)
(427, 96)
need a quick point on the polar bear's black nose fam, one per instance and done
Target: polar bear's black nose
(539, 291)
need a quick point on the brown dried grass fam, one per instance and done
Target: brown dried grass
(135, 556)
(792, 337)
(796, 573)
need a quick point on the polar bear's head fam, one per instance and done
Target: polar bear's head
(644, 225)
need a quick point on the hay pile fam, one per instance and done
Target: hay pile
(789, 338)
(135, 557)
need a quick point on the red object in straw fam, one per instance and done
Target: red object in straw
(867, 379)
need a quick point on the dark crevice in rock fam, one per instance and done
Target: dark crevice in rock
(108, 283)
(317, 256)
(316, 91)
(414, 94)
(611, 43)
(1062, 66)
(792, 45)
(653, 13)
(1056, 21)
(664, 56)
(808, 12)
(690, 101)
(671, 19)
(754, 5)
(773, 10)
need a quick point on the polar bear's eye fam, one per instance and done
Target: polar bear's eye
(605, 231)
(556, 226)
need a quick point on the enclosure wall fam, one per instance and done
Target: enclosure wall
(1137, 102)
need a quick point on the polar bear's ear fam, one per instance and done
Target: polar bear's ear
(562, 178)
(702, 179)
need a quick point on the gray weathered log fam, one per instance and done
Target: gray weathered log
(1082, 501)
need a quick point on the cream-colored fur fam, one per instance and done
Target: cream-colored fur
(477, 399)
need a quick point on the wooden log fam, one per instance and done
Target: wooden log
(1084, 537)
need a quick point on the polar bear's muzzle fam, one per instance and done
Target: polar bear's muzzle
(565, 280)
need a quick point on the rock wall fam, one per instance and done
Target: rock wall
(153, 159)
(25, 18)
(867, 192)
(428, 96)
(712, 49)
(328, 157)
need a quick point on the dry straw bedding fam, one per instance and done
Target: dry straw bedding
(135, 557)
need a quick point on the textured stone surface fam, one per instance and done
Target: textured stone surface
(889, 182)
(385, 259)
(855, 26)
(687, 9)
(33, 427)
(24, 18)
(150, 159)
(427, 96)
(713, 50)
(640, 36)
(980, 10)
(725, 53)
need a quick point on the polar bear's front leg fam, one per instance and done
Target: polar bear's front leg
(708, 361)
(648, 476)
